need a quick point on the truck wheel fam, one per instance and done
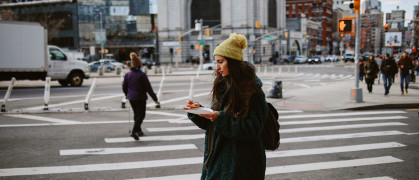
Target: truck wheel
(63, 82)
(76, 79)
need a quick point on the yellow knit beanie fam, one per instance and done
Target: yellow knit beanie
(232, 47)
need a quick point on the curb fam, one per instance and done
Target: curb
(385, 106)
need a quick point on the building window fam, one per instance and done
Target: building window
(199, 10)
(272, 13)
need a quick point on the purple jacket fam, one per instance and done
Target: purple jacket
(136, 85)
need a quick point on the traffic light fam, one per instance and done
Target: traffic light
(345, 26)
(257, 24)
(386, 27)
(341, 36)
(355, 6)
(180, 38)
(207, 32)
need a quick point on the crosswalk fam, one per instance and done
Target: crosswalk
(356, 135)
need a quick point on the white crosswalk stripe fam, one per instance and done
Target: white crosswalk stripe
(170, 135)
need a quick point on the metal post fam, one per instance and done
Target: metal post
(191, 89)
(7, 95)
(201, 60)
(101, 30)
(356, 92)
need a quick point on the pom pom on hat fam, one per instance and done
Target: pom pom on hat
(232, 47)
(135, 61)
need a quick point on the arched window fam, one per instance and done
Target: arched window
(272, 13)
(208, 10)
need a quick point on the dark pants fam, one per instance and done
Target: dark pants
(404, 78)
(388, 80)
(138, 106)
(370, 82)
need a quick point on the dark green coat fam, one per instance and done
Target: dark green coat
(238, 152)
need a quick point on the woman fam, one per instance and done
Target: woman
(371, 70)
(233, 146)
(135, 86)
(405, 64)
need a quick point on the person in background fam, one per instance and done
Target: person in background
(371, 70)
(405, 64)
(135, 86)
(388, 69)
(361, 69)
(233, 144)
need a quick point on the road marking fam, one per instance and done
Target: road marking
(184, 98)
(300, 167)
(339, 114)
(173, 129)
(331, 165)
(330, 150)
(98, 167)
(290, 111)
(325, 128)
(283, 140)
(377, 178)
(167, 114)
(341, 120)
(198, 160)
(340, 136)
(351, 126)
(53, 120)
(102, 151)
(157, 138)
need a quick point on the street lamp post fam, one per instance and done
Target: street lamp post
(356, 92)
(102, 43)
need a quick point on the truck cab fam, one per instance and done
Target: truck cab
(67, 71)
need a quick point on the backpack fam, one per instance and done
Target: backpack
(270, 132)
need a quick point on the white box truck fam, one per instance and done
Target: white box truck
(25, 54)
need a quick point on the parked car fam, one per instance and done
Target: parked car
(147, 62)
(94, 66)
(300, 60)
(349, 57)
(209, 66)
(113, 61)
(314, 59)
(330, 58)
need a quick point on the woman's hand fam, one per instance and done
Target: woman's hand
(212, 116)
(190, 105)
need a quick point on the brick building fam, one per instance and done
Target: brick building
(315, 10)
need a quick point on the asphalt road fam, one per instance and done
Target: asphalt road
(70, 143)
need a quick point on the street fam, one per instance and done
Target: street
(68, 142)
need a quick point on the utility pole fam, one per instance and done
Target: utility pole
(356, 92)
(102, 43)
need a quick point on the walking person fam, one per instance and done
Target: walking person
(233, 145)
(388, 69)
(371, 70)
(135, 86)
(405, 64)
(361, 69)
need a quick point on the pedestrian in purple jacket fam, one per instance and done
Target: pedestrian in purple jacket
(136, 86)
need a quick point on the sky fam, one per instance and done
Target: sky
(388, 5)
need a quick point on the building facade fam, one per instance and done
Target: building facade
(261, 21)
(318, 11)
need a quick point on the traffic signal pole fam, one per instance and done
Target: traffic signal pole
(356, 92)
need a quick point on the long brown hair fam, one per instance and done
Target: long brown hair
(240, 84)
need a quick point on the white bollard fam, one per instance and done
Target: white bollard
(265, 71)
(47, 92)
(272, 70)
(145, 69)
(279, 69)
(160, 92)
(289, 68)
(259, 69)
(198, 71)
(163, 71)
(7, 95)
(122, 76)
(295, 69)
(191, 89)
(89, 95)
